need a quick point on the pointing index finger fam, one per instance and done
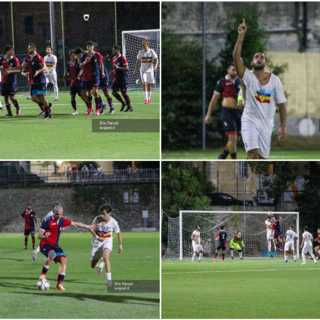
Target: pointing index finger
(244, 22)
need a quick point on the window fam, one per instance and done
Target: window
(136, 196)
(126, 197)
(28, 25)
(242, 169)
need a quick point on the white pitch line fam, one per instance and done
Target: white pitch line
(225, 271)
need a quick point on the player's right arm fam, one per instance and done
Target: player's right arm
(242, 29)
(43, 234)
(23, 66)
(213, 102)
(136, 67)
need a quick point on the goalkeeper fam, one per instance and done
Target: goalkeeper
(235, 244)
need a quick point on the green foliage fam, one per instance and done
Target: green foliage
(183, 186)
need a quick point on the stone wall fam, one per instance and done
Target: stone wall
(129, 215)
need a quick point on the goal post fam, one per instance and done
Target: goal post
(132, 44)
(251, 224)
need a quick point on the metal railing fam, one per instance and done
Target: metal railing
(41, 177)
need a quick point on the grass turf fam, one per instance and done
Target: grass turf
(70, 137)
(86, 293)
(241, 154)
(240, 289)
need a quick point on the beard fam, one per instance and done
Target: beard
(255, 67)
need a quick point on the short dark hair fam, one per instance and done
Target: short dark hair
(222, 227)
(71, 52)
(29, 204)
(31, 44)
(106, 207)
(231, 64)
(78, 50)
(49, 47)
(89, 43)
(305, 228)
(8, 48)
(116, 47)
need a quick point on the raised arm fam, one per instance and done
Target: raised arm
(237, 50)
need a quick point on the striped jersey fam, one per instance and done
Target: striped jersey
(49, 61)
(146, 58)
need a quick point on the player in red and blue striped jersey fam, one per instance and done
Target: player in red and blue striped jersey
(73, 69)
(120, 81)
(104, 86)
(222, 238)
(91, 63)
(9, 80)
(36, 66)
(30, 218)
(317, 248)
(49, 245)
(277, 234)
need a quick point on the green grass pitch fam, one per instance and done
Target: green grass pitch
(86, 293)
(64, 136)
(240, 289)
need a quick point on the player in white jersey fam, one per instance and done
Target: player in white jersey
(51, 74)
(307, 245)
(50, 214)
(102, 241)
(196, 244)
(146, 57)
(263, 92)
(268, 225)
(291, 238)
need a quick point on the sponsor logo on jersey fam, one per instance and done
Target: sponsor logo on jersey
(262, 96)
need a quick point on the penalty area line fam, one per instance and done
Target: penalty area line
(239, 271)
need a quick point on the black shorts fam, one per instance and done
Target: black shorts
(90, 84)
(28, 231)
(104, 84)
(76, 89)
(8, 89)
(38, 89)
(120, 86)
(46, 248)
(231, 119)
(277, 234)
(221, 245)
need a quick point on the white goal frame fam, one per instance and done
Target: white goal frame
(235, 212)
(157, 50)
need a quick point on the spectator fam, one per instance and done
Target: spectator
(129, 172)
(69, 171)
(84, 171)
(74, 172)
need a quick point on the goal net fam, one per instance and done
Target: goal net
(251, 225)
(132, 44)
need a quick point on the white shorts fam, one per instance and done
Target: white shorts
(97, 250)
(254, 138)
(51, 77)
(269, 235)
(288, 245)
(307, 249)
(197, 247)
(147, 77)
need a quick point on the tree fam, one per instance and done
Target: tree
(183, 187)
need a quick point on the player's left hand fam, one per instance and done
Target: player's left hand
(103, 75)
(282, 133)
(115, 66)
(120, 248)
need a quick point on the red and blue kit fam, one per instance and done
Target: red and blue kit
(54, 227)
(222, 235)
(120, 75)
(73, 68)
(319, 237)
(277, 232)
(231, 117)
(29, 221)
(91, 70)
(9, 82)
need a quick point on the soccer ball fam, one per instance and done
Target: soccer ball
(43, 284)
(138, 81)
(270, 214)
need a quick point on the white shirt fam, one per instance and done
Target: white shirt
(197, 237)
(291, 235)
(147, 60)
(261, 101)
(50, 214)
(108, 228)
(268, 225)
(307, 236)
(49, 62)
